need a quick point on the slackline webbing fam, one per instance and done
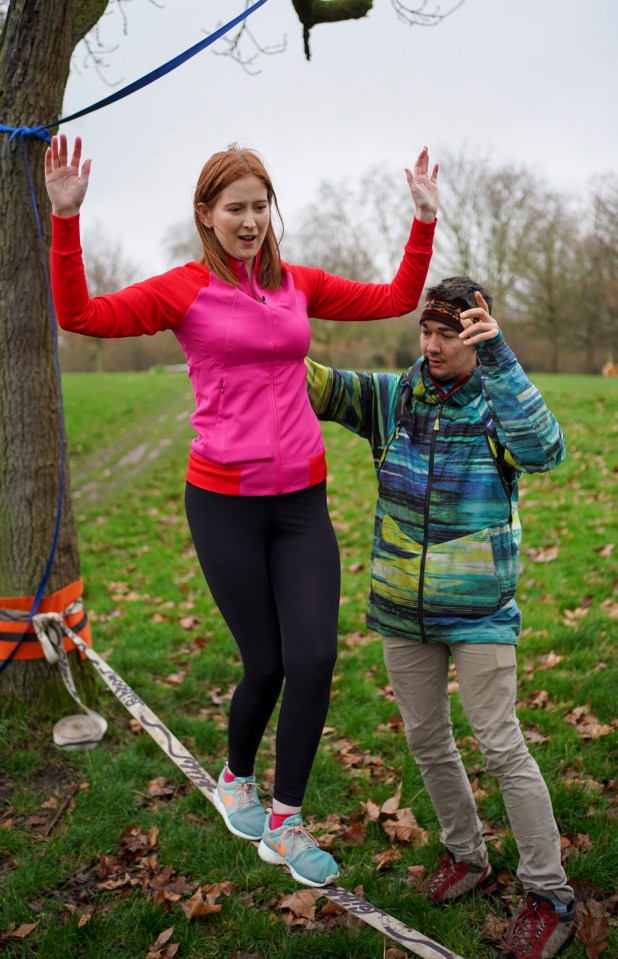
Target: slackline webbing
(410, 939)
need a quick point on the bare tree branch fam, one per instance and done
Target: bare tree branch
(95, 46)
(419, 15)
(235, 51)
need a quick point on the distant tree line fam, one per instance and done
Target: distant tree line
(550, 259)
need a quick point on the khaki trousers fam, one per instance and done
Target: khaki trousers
(487, 678)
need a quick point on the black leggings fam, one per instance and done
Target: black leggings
(272, 566)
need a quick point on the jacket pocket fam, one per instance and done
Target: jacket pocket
(459, 578)
(505, 542)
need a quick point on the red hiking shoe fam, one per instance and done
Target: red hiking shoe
(453, 879)
(538, 931)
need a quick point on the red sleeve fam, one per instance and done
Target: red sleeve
(334, 298)
(147, 307)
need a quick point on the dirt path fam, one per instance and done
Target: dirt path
(118, 465)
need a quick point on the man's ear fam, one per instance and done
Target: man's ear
(204, 214)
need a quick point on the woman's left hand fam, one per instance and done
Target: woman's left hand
(424, 188)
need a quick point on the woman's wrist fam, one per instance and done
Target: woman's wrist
(425, 216)
(65, 211)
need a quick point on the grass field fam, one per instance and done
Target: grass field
(121, 862)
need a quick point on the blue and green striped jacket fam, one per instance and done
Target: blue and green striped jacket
(445, 557)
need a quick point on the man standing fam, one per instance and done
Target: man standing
(449, 438)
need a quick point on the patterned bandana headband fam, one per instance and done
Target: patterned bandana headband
(442, 312)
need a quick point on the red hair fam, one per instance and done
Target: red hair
(220, 171)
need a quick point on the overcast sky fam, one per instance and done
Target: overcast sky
(532, 82)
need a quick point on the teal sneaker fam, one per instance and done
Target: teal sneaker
(242, 811)
(296, 849)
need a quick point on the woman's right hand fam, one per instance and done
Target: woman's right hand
(66, 186)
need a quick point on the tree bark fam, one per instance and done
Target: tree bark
(36, 43)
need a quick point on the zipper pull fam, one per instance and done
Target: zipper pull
(436, 422)
(221, 385)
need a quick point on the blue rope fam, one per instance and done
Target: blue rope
(18, 136)
(42, 131)
(23, 132)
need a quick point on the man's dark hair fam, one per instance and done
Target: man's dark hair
(459, 290)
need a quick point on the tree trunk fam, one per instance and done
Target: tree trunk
(554, 338)
(36, 44)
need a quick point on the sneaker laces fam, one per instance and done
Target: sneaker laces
(528, 926)
(303, 836)
(247, 793)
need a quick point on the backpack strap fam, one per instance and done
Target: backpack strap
(405, 392)
(506, 470)
(403, 400)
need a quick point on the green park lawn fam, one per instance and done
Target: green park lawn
(103, 875)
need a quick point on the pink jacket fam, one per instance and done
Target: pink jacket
(245, 349)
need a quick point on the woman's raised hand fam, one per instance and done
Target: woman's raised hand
(66, 185)
(424, 188)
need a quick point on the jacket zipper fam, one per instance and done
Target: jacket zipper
(421, 577)
(260, 299)
(272, 398)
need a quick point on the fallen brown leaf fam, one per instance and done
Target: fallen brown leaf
(372, 810)
(301, 903)
(538, 699)
(392, 805)
(610, 607)
(592, 927)
(160, 787)
(549, 660)
(356, 639)
(416, 876)
(533, 735)
(385, 859)
(605, 551)
(18, 932)
(197, 906)
(494, 927)
(331, 908)
(404, 828)
(354, 834)
(494, 835)
(162, 948)
(175, 679)
(586, 724)
(545, 554)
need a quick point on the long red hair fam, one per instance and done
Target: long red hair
(220, 171)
